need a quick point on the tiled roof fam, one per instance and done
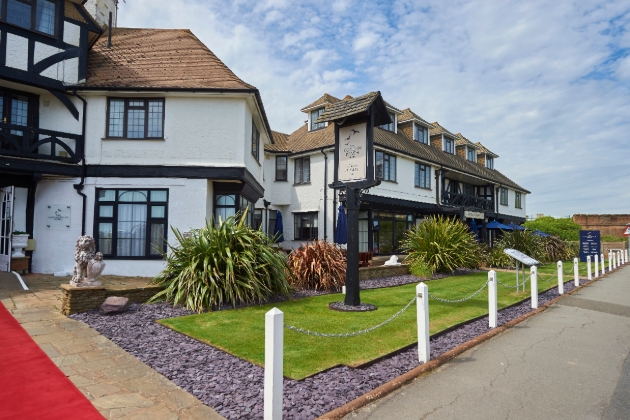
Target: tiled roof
(396, 110)
(157, 58)
(408, 115)
(71, 12)
(343, 109)
(438, 129)
(280, 141)
(463, 141)
(482, 150)
(302, 141)
(324, 100)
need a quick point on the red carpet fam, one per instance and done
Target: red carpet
(31, 386)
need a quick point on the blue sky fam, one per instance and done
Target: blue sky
(544, 84)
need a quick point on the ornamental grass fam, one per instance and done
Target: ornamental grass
(222, 264)
(317, 265)
(442, 245)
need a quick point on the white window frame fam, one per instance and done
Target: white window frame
(489, 162)
(469, 151)
(417, 128)
(444, 142)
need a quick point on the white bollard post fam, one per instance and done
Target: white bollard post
(626, 252)
(576, 272)
(492, 298)
(610, 267)
(422, 307)
(596, 265)
(614, 260)
(533, 273)
(603, 265)
(343, 289)
(560, 279)
(589, 273)
(274, 341)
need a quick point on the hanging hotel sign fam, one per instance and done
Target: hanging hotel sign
(352, 153)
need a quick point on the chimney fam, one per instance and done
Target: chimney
(101, 9)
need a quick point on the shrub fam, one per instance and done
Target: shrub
(555, 249)
(420, 268)
(522, 240)
(443, 244)
(317, 265)
(495, 257)
(222, 264)
(564, 228)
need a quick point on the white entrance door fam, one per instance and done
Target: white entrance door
(6, 227)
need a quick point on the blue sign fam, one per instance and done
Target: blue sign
(589, 244)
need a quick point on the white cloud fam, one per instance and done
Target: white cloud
(542, 83)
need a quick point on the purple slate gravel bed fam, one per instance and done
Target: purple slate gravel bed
(234, 387)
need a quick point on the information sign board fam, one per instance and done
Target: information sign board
(519, 256)
(352, 153)
(589, 244)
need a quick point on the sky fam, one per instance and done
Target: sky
(543, 84)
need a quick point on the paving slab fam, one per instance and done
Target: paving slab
(569, 362)
(118, 384)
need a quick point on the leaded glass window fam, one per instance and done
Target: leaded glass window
(385, 166)
(36, 15)
(423, 176)
(135, 118)
(314, 116)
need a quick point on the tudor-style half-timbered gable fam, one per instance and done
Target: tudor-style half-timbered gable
(133, 131)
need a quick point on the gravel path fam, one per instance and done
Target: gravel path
(234, 387)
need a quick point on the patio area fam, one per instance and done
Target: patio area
(118, 384)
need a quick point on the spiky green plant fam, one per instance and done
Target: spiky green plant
(317, 265)
(444, 244)
(523, 240)
(222, 264)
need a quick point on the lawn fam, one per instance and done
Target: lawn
(241, 331)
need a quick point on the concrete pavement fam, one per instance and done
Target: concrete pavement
(569, 362)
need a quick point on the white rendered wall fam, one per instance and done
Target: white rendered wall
(17, 52)
(55, 248)
(511, 209)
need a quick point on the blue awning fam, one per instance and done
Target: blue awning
(539, 233)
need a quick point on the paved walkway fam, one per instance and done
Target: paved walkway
(569, 362)
(118, 384)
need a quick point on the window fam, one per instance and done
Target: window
(385, 167)
(468, 189)
(489, 162)
(391, 126)
(17, 108)
(470, 154)
(131, 223)
(36, 15)
(257, 219)
(303, 170)
(517, 200)
(504, 197)
(271, 223)
(305, 226)
(227, 205)
(135, 118)
(420, 134)
(423, 176)
(314, 116)
(255, 141)
(281, 168)
(449, 145)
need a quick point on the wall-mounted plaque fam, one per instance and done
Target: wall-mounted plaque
(352, 153)
(58, 216)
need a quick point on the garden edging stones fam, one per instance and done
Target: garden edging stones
(428, 367)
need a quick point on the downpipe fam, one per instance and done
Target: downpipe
(79, 187)
(325, 194)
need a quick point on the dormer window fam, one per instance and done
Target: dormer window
(489, 162)
(36, 15)
(392, 125)
(420, 134)
(314, 116)
(471, 155)
(449, 145)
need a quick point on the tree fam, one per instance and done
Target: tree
(564, 228)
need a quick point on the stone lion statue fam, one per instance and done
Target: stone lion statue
(86, 251)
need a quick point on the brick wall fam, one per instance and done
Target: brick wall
(481, 159)
(436, 141)
(607, 224)
(368, 273)
(407, 129)
(461, 151)
(82, 299)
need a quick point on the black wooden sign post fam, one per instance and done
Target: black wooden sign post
(354, 121)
